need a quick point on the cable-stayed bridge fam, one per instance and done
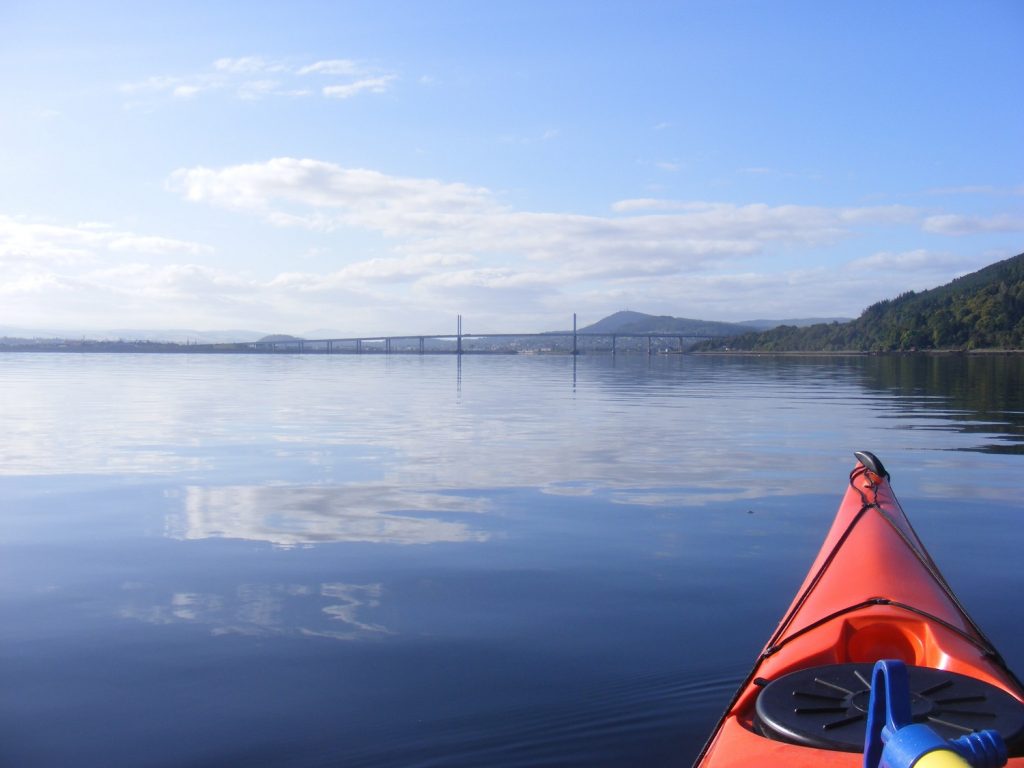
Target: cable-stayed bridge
(459, 343)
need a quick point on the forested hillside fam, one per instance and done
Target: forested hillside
(982, 310)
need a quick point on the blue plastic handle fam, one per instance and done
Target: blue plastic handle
(894, 740)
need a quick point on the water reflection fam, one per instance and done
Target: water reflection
(627, 424)
(570, 637)
(979, 394)
(333, 610)
(289, 516)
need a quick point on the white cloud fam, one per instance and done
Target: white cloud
(151, 245)
(731, 213)
(248, 65)
(74, 273)
(186, 91)
(492, 277)
(953, 224)
(441, 247)
(427, 216)
(24, 241)
(888, 261)
(96, 275)
(245, 78)
(35, 283)
(405, 268)
(363, 195)
(645, 204)
(918, 269)
(369, 84)
(380, 270)
(457, 245)
(331, 67)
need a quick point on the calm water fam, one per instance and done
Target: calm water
(312, 561)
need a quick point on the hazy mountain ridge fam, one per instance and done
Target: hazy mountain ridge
(981, 310)
(627, 321)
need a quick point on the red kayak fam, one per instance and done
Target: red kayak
(872, 593)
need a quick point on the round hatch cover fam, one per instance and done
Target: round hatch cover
(826, 707)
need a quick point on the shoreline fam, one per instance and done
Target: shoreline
(164, 348)
(861, 353)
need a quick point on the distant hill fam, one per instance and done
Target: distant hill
(982, 310)
(637, 322)
(628, 321)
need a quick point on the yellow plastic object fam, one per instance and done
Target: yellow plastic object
(941, 758)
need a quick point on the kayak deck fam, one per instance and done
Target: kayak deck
(872, 593)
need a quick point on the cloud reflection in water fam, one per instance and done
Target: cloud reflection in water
(266, 609)
(289, 516)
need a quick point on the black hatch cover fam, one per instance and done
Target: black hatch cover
(826, 707)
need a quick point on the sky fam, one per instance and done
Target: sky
(382, 167)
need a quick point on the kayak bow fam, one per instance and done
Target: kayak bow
(872, 593)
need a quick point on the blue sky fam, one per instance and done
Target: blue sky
(381, 167)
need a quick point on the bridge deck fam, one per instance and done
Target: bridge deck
(390, 343)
